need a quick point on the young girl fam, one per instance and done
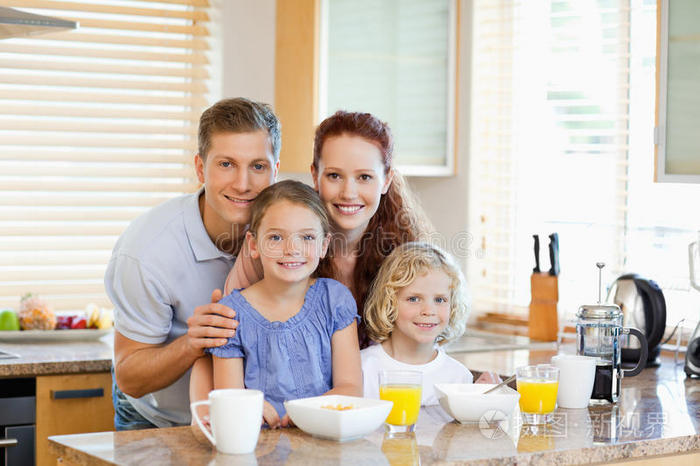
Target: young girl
(416, 304)
(297, 335)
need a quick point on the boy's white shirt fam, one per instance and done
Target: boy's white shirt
(442, 369)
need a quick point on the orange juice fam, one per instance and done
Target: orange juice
(406, 400)
(537, 396)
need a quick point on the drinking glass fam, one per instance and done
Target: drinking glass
(403, 388)
(538, 387)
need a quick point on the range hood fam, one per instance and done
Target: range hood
(16, 23)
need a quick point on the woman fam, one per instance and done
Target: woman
(371, 208)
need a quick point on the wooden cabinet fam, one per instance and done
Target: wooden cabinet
(71, 404)
(296, 81)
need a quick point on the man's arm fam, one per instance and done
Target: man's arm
(142, 368)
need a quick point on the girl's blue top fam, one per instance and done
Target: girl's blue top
(292, 359)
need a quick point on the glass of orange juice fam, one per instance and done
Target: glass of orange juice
(538, 386)
(403, 388)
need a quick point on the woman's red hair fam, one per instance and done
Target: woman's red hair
(397, 220)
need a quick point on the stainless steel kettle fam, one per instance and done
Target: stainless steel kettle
(644, 307)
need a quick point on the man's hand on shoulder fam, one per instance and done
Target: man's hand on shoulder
(210, 325)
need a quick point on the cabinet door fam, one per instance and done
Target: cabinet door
(71, 404)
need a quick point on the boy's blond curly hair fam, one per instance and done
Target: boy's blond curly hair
(399, 270)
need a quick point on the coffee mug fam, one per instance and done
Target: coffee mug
(576, 376)
(235, 416)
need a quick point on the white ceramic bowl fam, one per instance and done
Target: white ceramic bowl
(366, 416)
(467, 403)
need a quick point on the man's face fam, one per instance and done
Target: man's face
(237, 167)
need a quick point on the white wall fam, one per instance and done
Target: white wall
(248, 63)
(248, 33)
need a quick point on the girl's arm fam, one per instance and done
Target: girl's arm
(205, 376)
(201, 383)
(347, 368)
(245, 272)
(228, 373)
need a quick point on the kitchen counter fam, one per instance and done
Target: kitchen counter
(658, 415)
(46, 358)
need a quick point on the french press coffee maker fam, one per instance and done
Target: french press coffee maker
(599, 332)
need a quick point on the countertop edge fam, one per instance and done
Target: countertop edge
(29, 369)
(69, 455)
(604, 453)
(632, 450)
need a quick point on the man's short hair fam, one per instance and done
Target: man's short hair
(239, 115)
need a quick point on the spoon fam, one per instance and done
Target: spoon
(508, 380)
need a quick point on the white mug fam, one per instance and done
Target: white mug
(236, 415)
(576, 376)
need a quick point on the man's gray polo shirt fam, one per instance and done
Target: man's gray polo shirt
(162, 267)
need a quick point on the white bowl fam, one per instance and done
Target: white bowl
(366, 416)
(467, 403)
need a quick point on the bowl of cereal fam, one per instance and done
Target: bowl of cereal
(468, 403)
(338, 417)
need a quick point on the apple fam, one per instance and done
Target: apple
(9, 320)
(78, 322)
(64, 321)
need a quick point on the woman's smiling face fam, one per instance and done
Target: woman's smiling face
(350, 180)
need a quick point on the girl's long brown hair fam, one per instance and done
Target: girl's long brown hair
(398, 218)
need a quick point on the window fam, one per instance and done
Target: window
(563, 118)
(395, 59)
(96, 126)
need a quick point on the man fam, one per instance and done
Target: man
(166, 264)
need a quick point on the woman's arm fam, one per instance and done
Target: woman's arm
(245, 271)
(488, 377)
(347, 368)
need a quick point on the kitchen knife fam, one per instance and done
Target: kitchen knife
(554, 254)
(537, 254)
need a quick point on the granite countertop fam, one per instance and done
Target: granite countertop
(658, 414)
(64, 357)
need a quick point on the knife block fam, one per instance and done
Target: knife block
(543, 324)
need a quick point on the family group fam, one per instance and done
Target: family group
(323, 285)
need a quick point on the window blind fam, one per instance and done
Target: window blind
(551, 135)
(492, 181)
(97, 125)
